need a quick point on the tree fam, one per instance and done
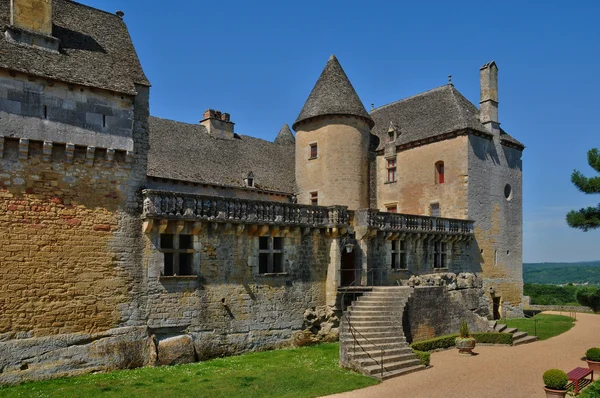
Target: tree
(586, 218)
(589, 298)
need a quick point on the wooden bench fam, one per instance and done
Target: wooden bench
(578, 378)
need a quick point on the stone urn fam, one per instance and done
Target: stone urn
(550, 393)
(465, 345)
(595, 366)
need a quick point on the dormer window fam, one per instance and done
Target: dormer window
(392, 132)
(249, 180)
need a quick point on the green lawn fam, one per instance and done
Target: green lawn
(299, 372)
(547, 325)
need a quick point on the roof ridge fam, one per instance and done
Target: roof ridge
(439, 88)
(92, 8)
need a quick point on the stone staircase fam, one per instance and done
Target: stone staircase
(372, 324)
(518, 337)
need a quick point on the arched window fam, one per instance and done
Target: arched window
(439, 172)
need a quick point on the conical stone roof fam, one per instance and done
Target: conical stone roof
(285, 136)
(333, 94)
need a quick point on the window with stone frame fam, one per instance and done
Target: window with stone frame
(178, 252)
(391, 170)
(435, 210)
(439, 172)
(314, 198)
(314, 151)
(440, 254)
(391, 208)
(399, 254)
(270, 255)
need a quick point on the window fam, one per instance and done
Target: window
(249, 180)
(439, 172)
(399, 254)
(270, 255)
(435, 210)
(391, 170)
(103, 120)
(178, 251)
(508, 192)
(45, 111)
(313, 151)
(391, 208)
(440, 251)
(314, 198)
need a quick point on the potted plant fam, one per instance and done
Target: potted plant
(555, 381)
(465, 342)
(592, 357)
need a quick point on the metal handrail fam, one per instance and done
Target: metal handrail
(353, 330)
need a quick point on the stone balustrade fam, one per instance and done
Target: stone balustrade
(193, 207)
(396, 222)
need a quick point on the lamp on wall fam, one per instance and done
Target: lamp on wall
(348, 243)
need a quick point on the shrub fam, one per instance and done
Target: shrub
(464, 329)
(555, 379)
(493, 338)
(593, 354)
(423, 356)
(436, 343)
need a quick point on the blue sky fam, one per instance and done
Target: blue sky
(259, 60)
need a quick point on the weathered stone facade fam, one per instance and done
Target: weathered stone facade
(122, 249)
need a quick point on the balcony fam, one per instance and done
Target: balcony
(192, 207)
(396, 222)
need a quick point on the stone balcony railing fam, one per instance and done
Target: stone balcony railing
(396, 222)
(193, 207)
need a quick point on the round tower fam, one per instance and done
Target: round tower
(332, 143)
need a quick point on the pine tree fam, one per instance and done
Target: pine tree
(586, 218)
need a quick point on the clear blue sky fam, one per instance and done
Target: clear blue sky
(259, 60)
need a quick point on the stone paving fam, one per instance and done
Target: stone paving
(496, 371)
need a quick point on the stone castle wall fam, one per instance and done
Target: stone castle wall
(340, 172)
(498, 230)
(415, 188)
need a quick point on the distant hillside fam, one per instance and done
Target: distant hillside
(560, 273)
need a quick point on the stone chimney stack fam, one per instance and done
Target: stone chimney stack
(218, 124)
(488, 78)
(32, 15)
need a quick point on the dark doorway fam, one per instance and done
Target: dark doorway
(496, 306)
(348, 269)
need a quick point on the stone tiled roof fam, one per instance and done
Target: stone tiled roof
(95, 49)
(430, 114)
(285, 136)
(333, 94)
(186, 152)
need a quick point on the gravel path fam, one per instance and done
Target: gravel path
(496, 371)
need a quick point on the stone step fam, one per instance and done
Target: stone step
(372, 323)
(390, 366)
(500, 327)
(518, 335)
(384, 332)
(376, 348)
(372, 317)
(376, 307)
(381, 299)
(525, 340)
(358, 355)
(374, 312)
(399, 372)
(385, 294)
(387, 358)
(493, 324)
(392, 288)
(367, 328)
(510, 330)
(379, 340)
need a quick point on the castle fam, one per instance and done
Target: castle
(128, 240)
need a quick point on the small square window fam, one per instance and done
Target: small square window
(277, 243)
(314, 198)
(166, 241)
(178, 254)
(435, 210)
(313, 151)
(270, 255)
(391, 208)
(263, 243)
(185, 242)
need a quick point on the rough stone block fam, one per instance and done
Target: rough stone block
(176, 350)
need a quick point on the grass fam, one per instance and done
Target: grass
(298, 372)
(547, 325)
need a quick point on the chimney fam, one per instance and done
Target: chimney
(32, 15)
(488, 114)
(218, 124)
(31, 24)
